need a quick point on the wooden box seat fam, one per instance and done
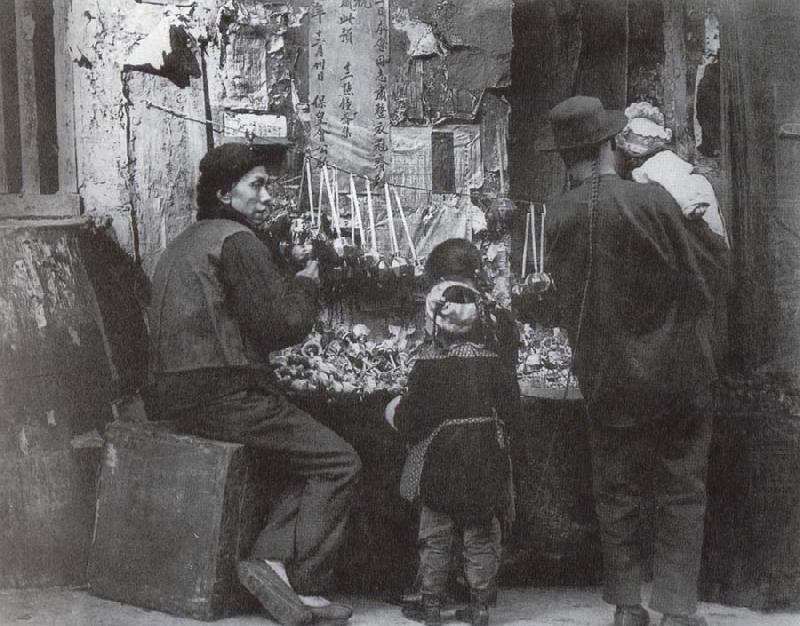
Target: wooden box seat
(174, 515)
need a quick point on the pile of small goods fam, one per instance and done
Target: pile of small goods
(344, 359)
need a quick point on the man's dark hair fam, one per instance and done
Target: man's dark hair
(223, 166)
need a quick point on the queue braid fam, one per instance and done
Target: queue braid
(593, 199)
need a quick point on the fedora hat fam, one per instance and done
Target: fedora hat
(580, 121)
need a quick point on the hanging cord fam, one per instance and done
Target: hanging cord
(222, 130)
(593, 198)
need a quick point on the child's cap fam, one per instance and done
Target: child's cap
(645, 132)
(451, 307)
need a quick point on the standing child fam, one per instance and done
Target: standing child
(460, 396)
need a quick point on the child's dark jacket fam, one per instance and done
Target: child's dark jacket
(466, 468)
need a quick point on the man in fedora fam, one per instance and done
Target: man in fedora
(631, 287)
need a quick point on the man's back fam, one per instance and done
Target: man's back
(634, 329)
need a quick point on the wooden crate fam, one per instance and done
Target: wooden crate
(752, 541)
(174, 515)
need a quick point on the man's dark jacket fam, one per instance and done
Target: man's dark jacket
(221, 303)
(644, 343)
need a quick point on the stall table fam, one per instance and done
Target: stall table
(554, 538)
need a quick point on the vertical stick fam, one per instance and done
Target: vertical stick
(319, 199)
(405, 225)
(532, 210)
(301, 188)
(357, 209)
(541, 240)
(524, 269)
(331, 201)
(335, 176)
(310, 190)
(371, 215)
(390, 218)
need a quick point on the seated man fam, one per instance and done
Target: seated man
(221, 303)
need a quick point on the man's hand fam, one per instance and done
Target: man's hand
(311, 270)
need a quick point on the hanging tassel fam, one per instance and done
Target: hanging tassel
(357, 210)
(524, 269)
(405, 225)
(331, 201)
(534, 246)
(307, 172)
(541, 239)
(390, 219)
(371, 215)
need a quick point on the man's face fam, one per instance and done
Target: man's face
(252, 195)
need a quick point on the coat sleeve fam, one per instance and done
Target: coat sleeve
(413, 415)
(274, 310)
(702, 261)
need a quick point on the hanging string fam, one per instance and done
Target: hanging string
(524, 269)
(307, 164)
(405, 226)
(371, 215)
(534, 246)
(222, 130)
(301, 191)
(390, 218)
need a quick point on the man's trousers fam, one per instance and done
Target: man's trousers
(670, 455)
(306, 525)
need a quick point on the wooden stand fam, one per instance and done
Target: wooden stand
(175, 513)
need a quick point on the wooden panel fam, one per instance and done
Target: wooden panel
(784, 231)
(676, 97)
(10, 162)
(3, 122)
(38, 205)
(603, 65)
(55, 385)
(48, 502)
(65, 111)
(27, 96)
(165, 149)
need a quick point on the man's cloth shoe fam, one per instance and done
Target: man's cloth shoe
(331, 612)
(631, 616)
(683, 620)
(277, 597)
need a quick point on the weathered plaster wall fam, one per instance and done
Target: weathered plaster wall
(102, 35)
(141, 101)
(140, 133)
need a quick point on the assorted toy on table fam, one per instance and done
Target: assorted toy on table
(336, 233)
(341, 231)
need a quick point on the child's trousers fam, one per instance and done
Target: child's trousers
(482, 545)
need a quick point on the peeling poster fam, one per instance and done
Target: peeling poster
(348, 62)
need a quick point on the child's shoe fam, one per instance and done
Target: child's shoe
(432, 608)
(477, 613)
